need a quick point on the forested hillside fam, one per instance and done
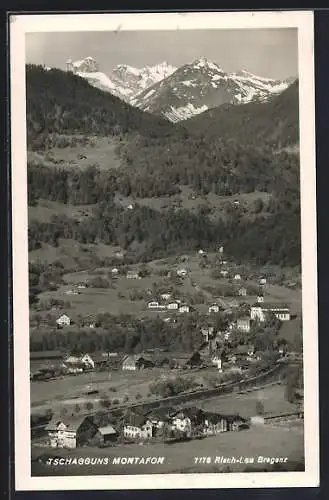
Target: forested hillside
(63, 103)
(236, 153)
(273, 124)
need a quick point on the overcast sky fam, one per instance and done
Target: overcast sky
(271, 53)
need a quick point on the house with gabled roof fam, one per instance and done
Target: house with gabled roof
(214, 308)
(137, 426)
(63, 320)
(106, 434)
(214, 423)
(243, 324)
(70, 432)
(132, 275)
(129, 363)
(259, 311)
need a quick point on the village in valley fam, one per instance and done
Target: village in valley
(164, 259)
(246, 341)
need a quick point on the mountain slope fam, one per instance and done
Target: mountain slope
(60, 102)
(274, 123)
(124, 81)
(158, 159)
(201, 85)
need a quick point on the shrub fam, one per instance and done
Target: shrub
(259, 408)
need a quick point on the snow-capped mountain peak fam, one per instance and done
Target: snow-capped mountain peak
(203, 62)
(178, 93)
(201, 85)
(124, 81)
(159, 71)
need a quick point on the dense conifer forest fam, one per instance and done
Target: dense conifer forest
(226, 151)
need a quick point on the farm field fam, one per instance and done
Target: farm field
(72, 390)
(45, 210)
(179, 457)
(117, 299)
(272, 398)
(187, 199)
(70, 252)
(99, 150)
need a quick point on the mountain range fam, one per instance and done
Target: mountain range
(220, 154)
(124, 81)
(179, 93)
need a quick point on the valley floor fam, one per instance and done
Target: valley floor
(264, 441)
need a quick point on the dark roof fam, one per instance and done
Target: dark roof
(190, 412)
(72, 422)
(234, 418)
(160, 413)
(214, 418)
(243, 349)
(135, 419)
(130, 359)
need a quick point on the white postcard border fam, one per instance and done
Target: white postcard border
(19, 26)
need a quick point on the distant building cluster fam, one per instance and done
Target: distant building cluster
(165, 423)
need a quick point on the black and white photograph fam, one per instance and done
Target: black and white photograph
(164, 250)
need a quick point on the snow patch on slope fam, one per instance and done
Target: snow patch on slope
(184, 112)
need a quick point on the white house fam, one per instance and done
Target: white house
(182, 423)
(184, 308)
(221, 249)
(72, 432)
(237, 277)
(182, 272)
(137, 427)
(224, 273)
(130, 206)
(63, 320)
(260, 298)
(217, 361)
(129, 363)
(173, 305)
(165, 296)
(115, 271)
(258, 311)
(77, 363)
(242, 292)
(262, 281)
(87, 360)
(72, 292)
(243, 324)
(201, 252)
(153, 304)
(132, 275)
(214, 308)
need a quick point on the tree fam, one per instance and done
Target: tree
(105, 403)
(63, 411)
(259, 408)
